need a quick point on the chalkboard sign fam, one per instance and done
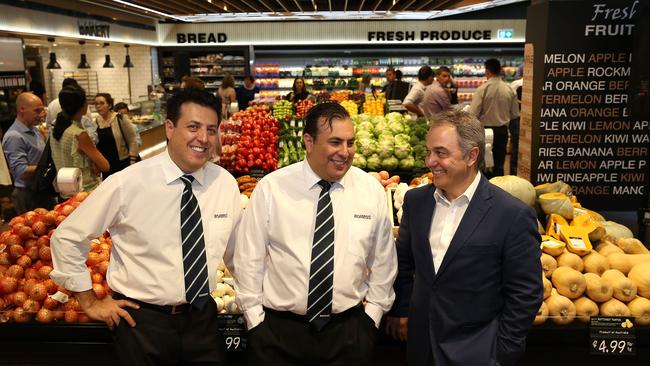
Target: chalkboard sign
(585, 135)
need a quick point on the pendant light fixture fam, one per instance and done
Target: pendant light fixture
(127, 61)
(83, 64)
(53, 64)
(107, 63)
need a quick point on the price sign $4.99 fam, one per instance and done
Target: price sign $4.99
(612, 336)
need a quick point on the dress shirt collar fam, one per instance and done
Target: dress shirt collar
(312, 179)
(22, 128)
(440, 196)
(172, 172)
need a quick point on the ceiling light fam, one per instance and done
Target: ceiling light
(53, 64)
(83, 63)
(108, 63)
(127, 61)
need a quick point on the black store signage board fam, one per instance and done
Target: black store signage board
(583, 131)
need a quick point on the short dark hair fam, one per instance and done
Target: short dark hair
(196, 96)
(442, 69)
(120, 105)
(325, 111)
(192, 82)
(424, 73)
(107, 97)
(249, 78)
(398, 74)
(70, 82)
(493, 65)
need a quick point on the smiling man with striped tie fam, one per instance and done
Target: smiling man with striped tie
(315, 258)
(171, 219)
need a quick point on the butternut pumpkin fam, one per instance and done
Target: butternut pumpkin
(624, 288)
(560, 309)
(569, 282)
(558, 203)
(632, 246)
(549, 264)
(598, 289)
(552, 246)
(595, 262)
(570, 260)
(585, 309)
(548, 287)
(606, 248)
(625, 262)
(594, 229)
(614, 307)
(640, 309)
(542, 314)
(640, 275)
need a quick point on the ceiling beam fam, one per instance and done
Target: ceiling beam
(271, 10)
(345, 7)
(255, 10)
(439, 5)
(361, 6)
(374, 8)
(393, 4)
(299, 7)
(419, 8)
(330, 4)
(200, 4)
(164, 7)
(235, 6)
(124, 10)
(286, 10)
(405, 7)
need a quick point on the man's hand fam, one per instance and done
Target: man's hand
(106, 310)
(397, 327)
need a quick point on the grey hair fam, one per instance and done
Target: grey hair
(468, 128)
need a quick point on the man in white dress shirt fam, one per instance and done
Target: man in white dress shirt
(154, 320)
(274, 254)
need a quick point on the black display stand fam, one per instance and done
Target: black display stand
(91, 344)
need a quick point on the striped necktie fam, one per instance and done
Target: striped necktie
(321, 272)
(195, 265)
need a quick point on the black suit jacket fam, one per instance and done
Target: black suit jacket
(397, 89)
(480, 305)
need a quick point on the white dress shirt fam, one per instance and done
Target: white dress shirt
(494, 103)
(446, 218)
(140, 206)
(416, 95)
(274, 242)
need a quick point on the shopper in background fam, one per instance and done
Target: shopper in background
(246, 92)
(395, 88)
(451, 87)
(117, 137)
(123, 109)
(163, 260)
(435, 98)
(303, 302)
(415, 98)
(468, 253)
(70, 144)
(495, 104)
(54, 108)
(227, 94)
(298, 91)
(23, 146)
(192, 82)
(513, 126)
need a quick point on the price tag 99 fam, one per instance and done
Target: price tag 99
(233, 343)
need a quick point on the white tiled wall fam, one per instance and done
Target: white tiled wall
(110, 80)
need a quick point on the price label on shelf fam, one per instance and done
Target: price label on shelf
(614, 336)
(234, 331)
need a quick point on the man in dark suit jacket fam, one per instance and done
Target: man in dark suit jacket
(395, 88)
(469, 275)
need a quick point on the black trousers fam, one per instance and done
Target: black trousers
(499, 147)
(287, 339)
(188, 338)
